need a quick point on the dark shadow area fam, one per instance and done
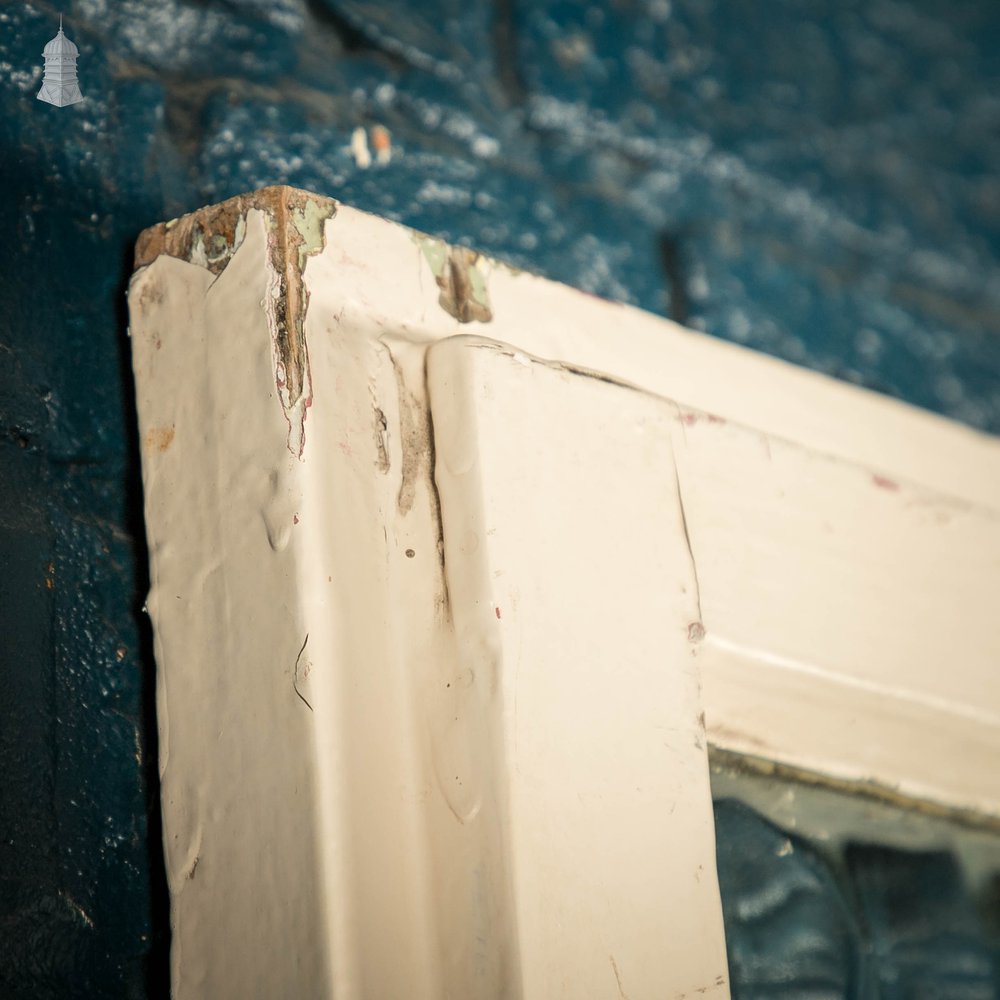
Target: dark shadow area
(157, 962)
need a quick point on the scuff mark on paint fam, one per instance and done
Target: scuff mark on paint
(414, 451)
(159, 438)
(209, 238)
(278, 510)
(414, 436)
(416, 433)
(462, 283)
(884, 483)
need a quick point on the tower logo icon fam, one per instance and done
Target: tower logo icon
(59, 85)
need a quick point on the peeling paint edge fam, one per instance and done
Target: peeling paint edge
(463, 288)
(295, 221)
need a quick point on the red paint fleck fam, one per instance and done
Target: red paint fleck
(885, 484)
(497, 610)
(696, 632)
(689, 418)
(714, 419)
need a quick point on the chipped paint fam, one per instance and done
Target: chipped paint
(295, 222)
(460, 278)
(309, 218)
(295, 233)
(208, 237)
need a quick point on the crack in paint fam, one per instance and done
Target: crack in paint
(618, 978)
(696, 629)
(381, 446)
(295, 673)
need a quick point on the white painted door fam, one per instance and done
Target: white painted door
(452, 567)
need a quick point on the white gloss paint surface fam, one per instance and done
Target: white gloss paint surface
(597, 710)
(429, 683)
